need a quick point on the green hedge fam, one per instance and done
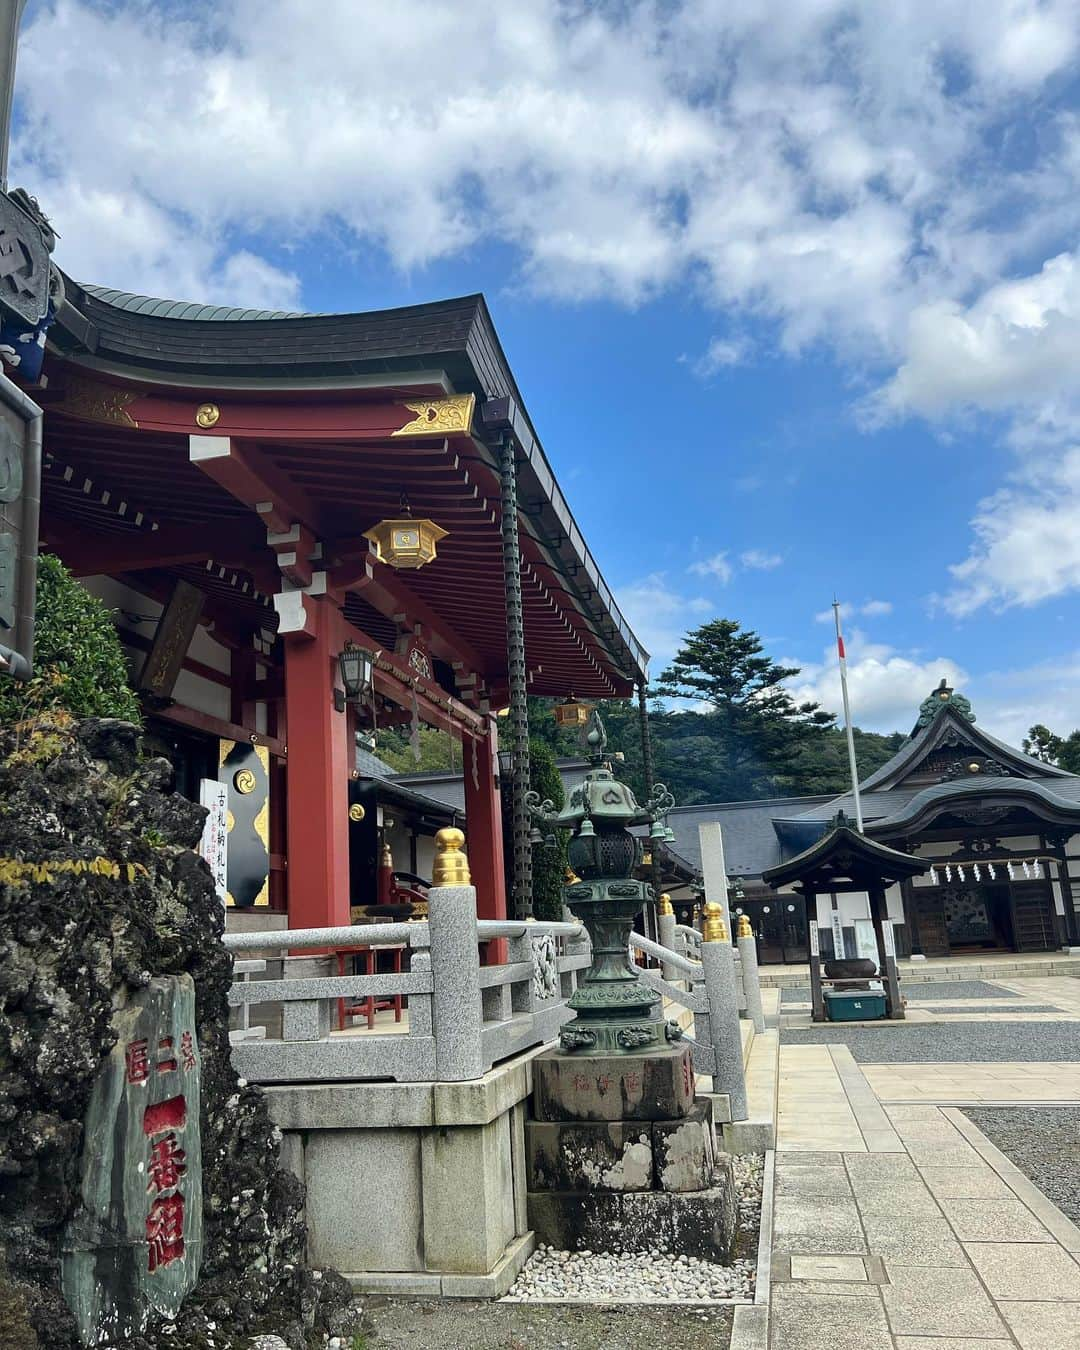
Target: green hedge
(79, 663)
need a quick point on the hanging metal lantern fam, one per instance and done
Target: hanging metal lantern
(405, 541)
(571, 712)
(357, 665)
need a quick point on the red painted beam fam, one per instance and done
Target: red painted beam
(251, 478)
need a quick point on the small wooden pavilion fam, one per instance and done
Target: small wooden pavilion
(845, 860)
(226, 478)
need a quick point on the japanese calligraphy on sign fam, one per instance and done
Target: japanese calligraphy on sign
(136, 1242)
(214, 844)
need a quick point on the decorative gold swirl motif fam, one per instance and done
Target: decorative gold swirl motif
(244, 781)
(356, 812)
(96, 402)
(440, 416)
(207, 415)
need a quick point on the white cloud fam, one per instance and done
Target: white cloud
(758, 560)
(875, 608)
(717, 566)
(820, 163)
(885, 685)
(660, 615)
(720, 354)
(1027, 540)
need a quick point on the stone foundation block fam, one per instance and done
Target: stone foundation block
(699, 1223)
(685, 1150)
(657, 1084)
(589, 1155)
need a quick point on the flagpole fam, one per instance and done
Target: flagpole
(847, 718)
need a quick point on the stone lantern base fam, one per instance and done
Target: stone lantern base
(622, 1156)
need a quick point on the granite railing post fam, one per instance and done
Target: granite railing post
(751, 980)
(456, 1015)
(666, 936)
(718, 970)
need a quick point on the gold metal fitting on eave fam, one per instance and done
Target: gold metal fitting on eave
(207, 415)
(356, 812)
(451, 865)
(713, 927)
(744, 927)
(663, 905)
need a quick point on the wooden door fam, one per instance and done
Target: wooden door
(1033, 918)
(930, 916)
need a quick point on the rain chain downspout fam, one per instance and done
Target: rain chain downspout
(522, 878)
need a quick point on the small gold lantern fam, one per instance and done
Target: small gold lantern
(405, 541)
(571, 712)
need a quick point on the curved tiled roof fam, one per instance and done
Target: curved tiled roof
(187, 309)
(1064, 803)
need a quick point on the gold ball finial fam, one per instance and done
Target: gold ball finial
(663, 905)
(713, 927)
(451, 865)
(744, 927)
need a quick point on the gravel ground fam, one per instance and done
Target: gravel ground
(655, 1276)
(946, 1042)
(922, 990)
(460, 1325)
(1044, 1142)
(1001, 1008)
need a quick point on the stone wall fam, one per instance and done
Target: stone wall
(100, 891)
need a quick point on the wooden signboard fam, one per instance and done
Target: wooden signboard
(175, 629)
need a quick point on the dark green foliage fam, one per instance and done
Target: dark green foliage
(437, 750)
(1064, 751)
(549, 865)
(79, 663)
(749, 731)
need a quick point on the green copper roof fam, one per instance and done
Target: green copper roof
(186, 309)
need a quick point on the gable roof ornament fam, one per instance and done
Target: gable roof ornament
(944, 696)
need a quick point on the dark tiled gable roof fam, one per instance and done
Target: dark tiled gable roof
(750, 840)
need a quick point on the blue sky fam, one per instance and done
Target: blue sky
(791, 287)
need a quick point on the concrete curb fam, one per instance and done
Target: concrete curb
(750, 1325)
(1048, 1214)
(428, 1284)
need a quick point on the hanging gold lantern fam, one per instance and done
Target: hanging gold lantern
(571, 712)
(405, 541)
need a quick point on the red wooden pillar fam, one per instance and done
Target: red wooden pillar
(319, 767)
(484, 831)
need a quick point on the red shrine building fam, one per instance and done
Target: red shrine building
(254, 494)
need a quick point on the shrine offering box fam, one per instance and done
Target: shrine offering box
(854, 1007)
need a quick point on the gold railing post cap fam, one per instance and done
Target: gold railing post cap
(744, 927)
(451, 866)
(713, 927)
(663, 905)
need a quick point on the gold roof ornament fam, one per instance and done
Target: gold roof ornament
(406, 542)
(713, 927)
(744, 927)
(451, 866)
(663, 905)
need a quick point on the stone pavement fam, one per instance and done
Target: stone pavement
(897, 1225)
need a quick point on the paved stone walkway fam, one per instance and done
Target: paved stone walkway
(897, 1224)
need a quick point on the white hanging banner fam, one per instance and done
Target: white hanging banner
(214, 844)
(839, 951)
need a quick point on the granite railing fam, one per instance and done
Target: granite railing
(463, 1017)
